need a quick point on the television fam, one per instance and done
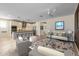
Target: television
(59, 25)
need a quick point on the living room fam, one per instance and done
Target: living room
(51, 32)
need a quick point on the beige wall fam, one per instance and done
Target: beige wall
(68, 23)
(68, 20)
(38, 24)
(38, 28)
(18, 24)
(50, 26)
(29, 26)
(5, 32)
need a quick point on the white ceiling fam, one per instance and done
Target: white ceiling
(32, 11)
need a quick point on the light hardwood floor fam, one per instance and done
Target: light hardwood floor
(7, 47)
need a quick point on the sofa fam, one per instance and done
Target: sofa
(22, 46)
(44, 51)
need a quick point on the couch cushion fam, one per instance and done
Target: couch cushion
(49, 52)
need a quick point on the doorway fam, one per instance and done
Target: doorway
(14, 29)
